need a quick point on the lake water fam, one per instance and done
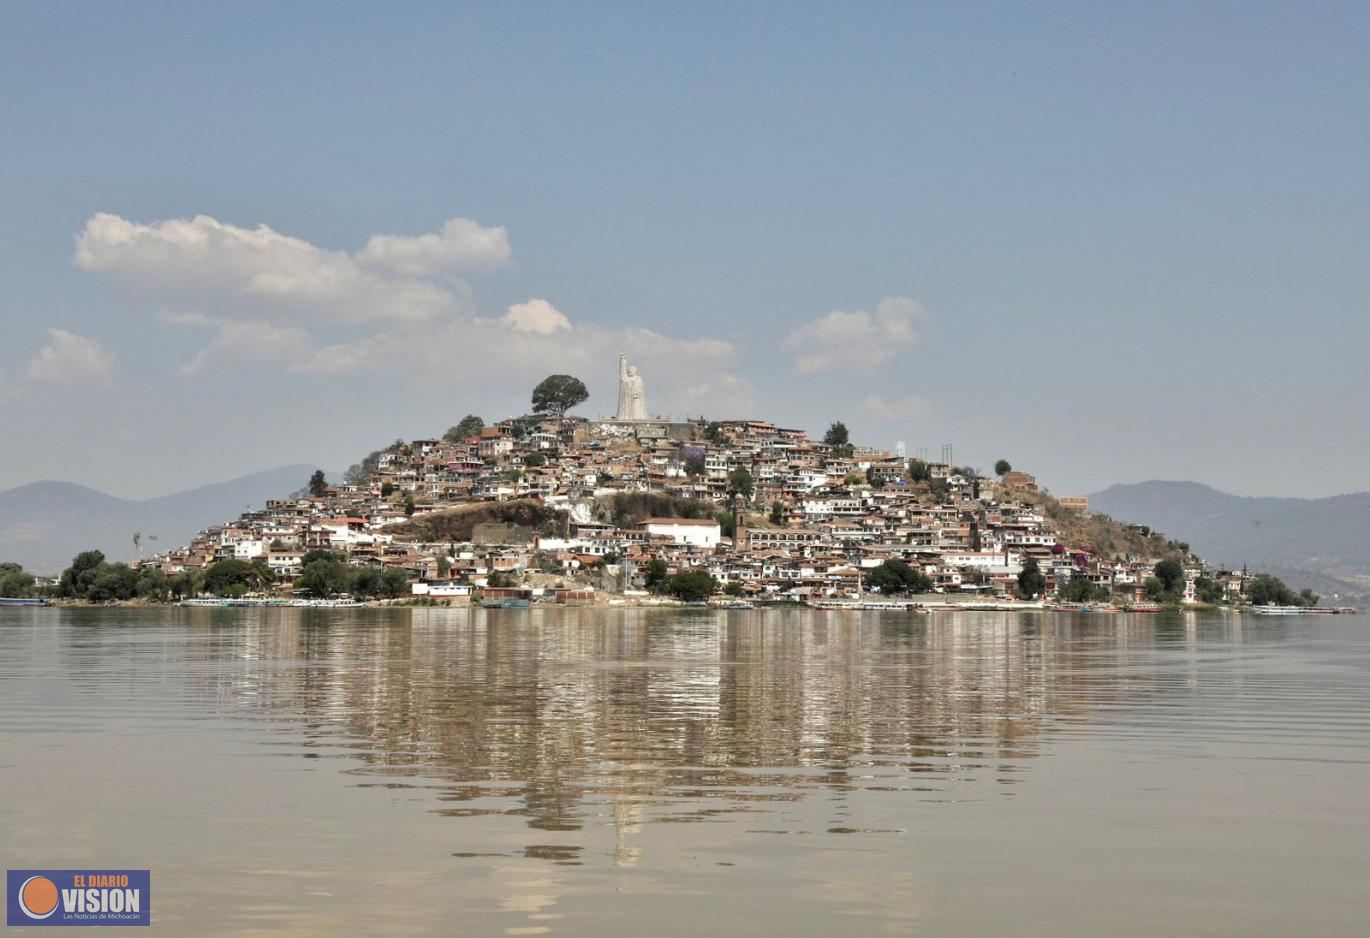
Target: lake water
(666, 772)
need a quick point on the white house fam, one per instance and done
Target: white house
(697, 532)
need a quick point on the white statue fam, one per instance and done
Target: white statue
(632, 398)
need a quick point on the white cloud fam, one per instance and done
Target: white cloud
(856, 339)
(391, 310)
(72, 361)
(461, 244)
(909, 407)
(248, 273)
(684, 376)
(537, 316)
(238, 342)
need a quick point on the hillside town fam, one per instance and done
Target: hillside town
(557, 507)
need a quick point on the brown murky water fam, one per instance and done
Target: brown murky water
(769, 772)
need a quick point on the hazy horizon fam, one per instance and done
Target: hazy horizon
(1109, 244)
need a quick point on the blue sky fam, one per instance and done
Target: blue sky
(1109, 242)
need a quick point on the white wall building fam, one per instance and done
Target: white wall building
(697, 532)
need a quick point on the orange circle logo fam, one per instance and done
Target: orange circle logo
(38, 897)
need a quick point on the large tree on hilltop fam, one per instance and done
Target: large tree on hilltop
(469, 426)
(837, 435)
(559, 393)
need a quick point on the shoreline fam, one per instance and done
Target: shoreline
(618, 601)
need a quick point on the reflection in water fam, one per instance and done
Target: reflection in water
(664, 717)
(554, 748)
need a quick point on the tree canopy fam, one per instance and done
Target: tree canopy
(1267, 590)
(896, 576)
(691, 585)
(1002, 466)
(15, 581)
(318, 483)
(1031, 582)
(468, 426)
(557, 394)
(740, 482)
(1081, 589)
(837, 434)
(1171, 575)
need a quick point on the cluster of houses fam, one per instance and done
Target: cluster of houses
(779, 516)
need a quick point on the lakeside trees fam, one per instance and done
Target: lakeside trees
(691, 585)
(94, 580)
(1081, 589)
(16, 582)
(1267, 590)
(896, 576)
(1031, 581)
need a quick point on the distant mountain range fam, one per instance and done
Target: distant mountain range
(1319, 543)
(44, 525)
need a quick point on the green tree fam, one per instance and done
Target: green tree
(1031, 582)
(740, 483)
(713, 432)
(656, 575)
(691, 585)
(919, 471)
(182, 584)
(1267, 590)
(896, 576)
(1081, 590)
(557, 394)
(1154, 588)
(467, 427)
(394, 582)
(15, 581)
(113, 581)
(366, 582)
(1171, 575)
(734, 588)
(152, 584)
(535, 459)
(1208, 591)
(1002, 466)
(777, 513)
(409, 505)
(323, 578)
(318, 484)
(77, 578)
(231, 578)
(837, 434)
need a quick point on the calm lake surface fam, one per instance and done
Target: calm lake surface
(666, 772)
